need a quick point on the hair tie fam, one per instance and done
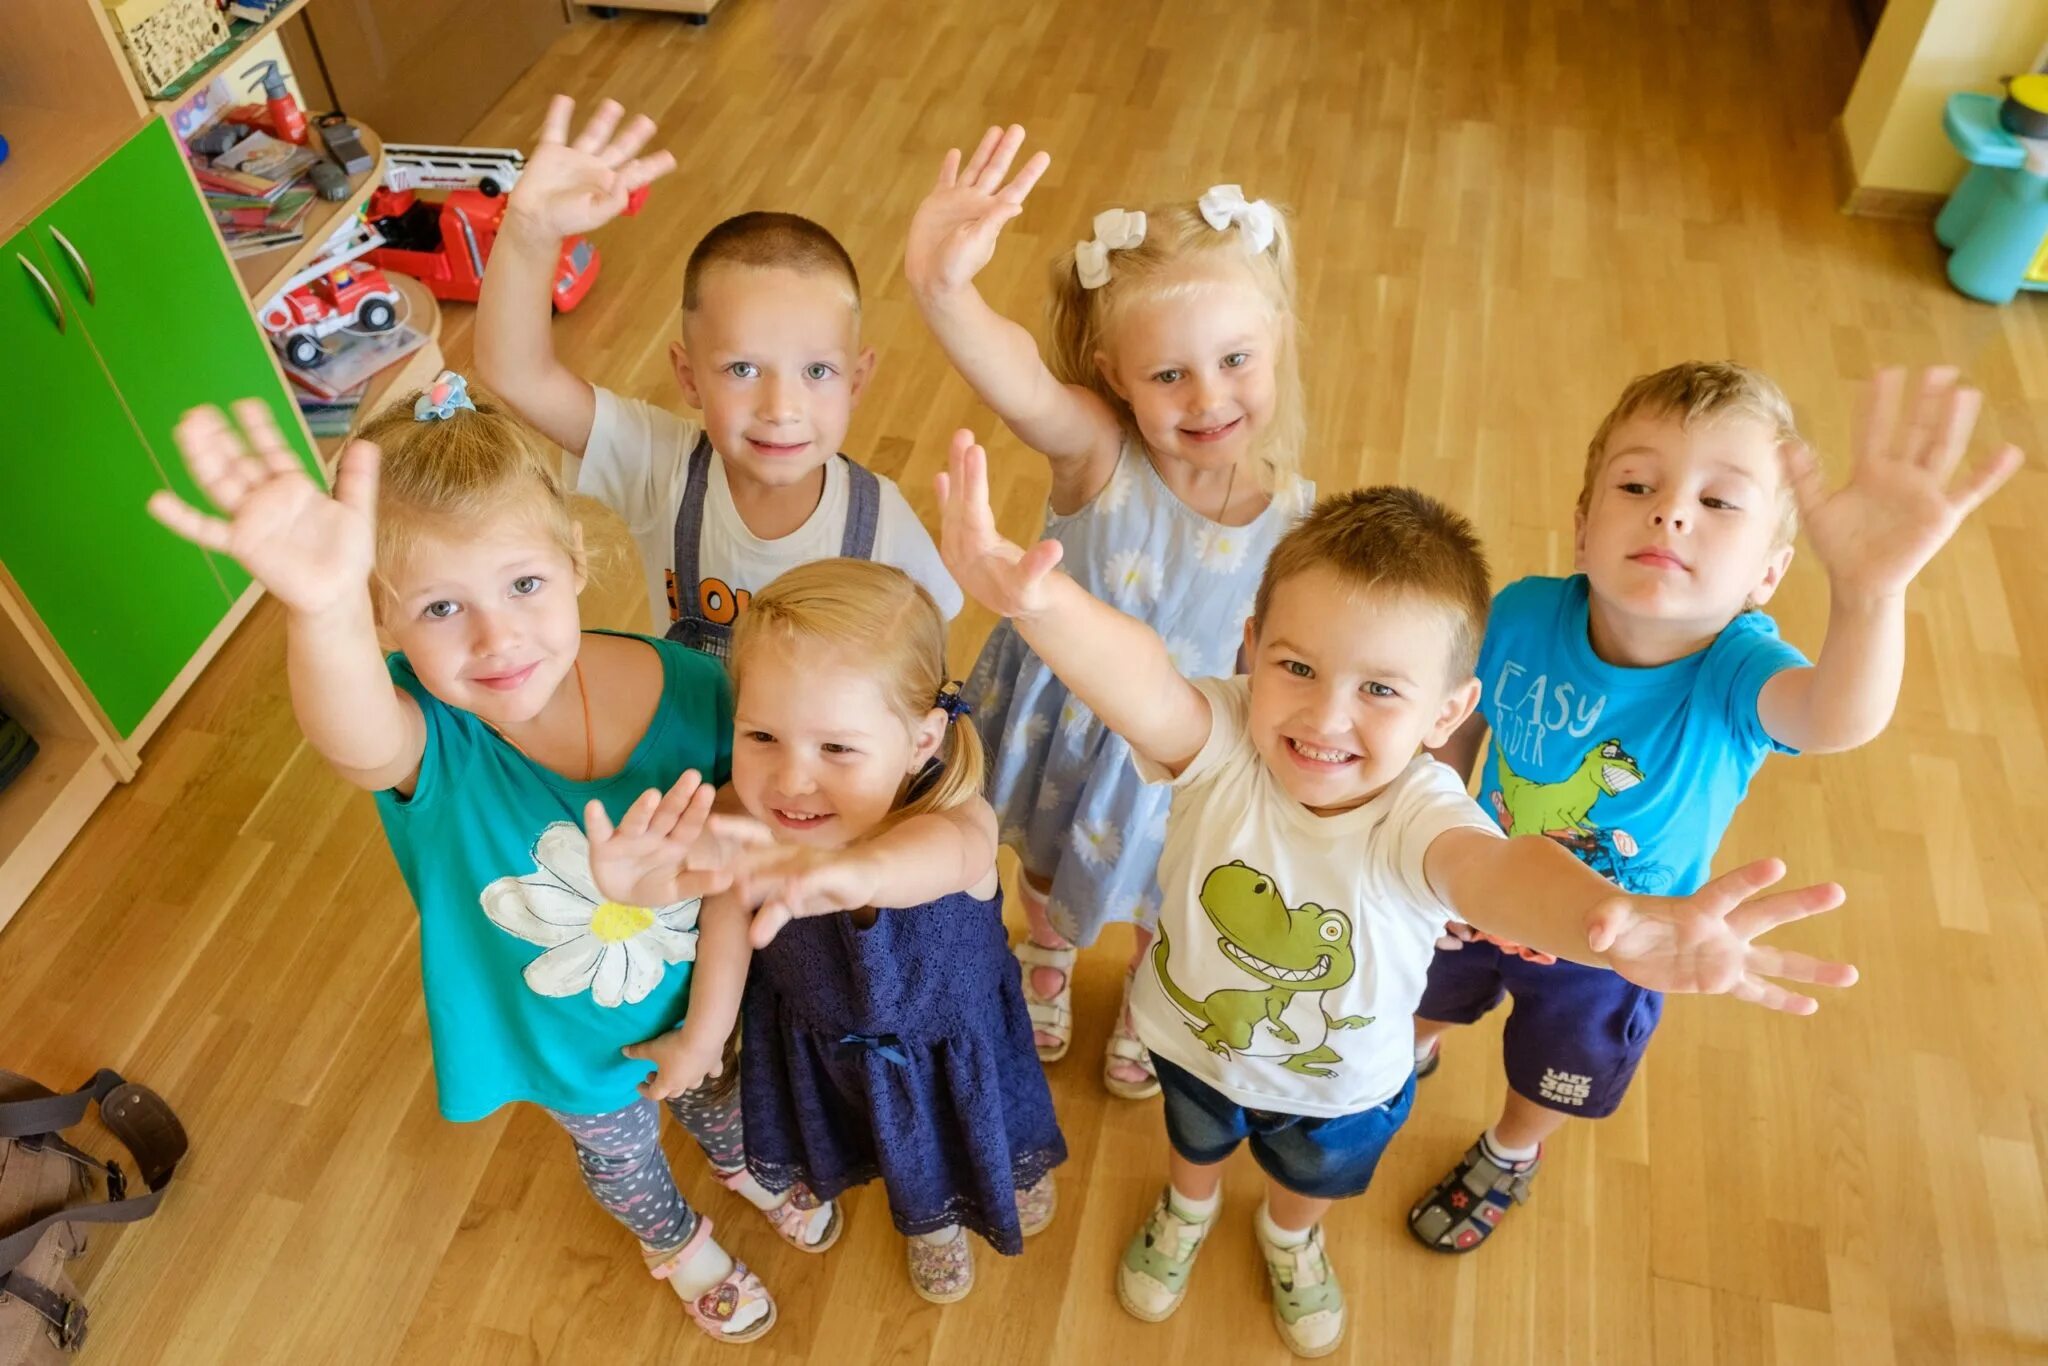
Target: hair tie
(439, 400)
(952, 703)
(1225, 205)
(1115, 230)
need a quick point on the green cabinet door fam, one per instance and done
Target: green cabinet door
(164, 307)
(127, 603)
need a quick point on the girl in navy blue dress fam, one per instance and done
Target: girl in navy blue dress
(885, 1031)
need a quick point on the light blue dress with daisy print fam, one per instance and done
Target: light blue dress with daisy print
(1063, 786)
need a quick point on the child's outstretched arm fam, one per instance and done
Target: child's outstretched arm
(1873, 535)
(314, 554)
(1532, 891)
(952, 237)
(1116, 665)
(694, 1051)
(567, 187)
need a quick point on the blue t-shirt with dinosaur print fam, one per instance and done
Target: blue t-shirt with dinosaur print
(1637, 771)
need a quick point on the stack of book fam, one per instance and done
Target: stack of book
(258, 192)
(347, 360)
(332, 416)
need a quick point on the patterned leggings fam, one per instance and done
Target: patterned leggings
(626, 1170)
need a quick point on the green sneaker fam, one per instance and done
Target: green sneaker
(1152, 1278)
(1308, 1304)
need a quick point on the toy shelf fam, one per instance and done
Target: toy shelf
(414, 371)
(265, 273)
(223, 56)
(66, 101)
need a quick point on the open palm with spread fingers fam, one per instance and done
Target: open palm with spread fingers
(1878, 530)
(953, 234)
(579, 184)
(309, 550)
(990, 568)
(662, 850)
(1703, 942)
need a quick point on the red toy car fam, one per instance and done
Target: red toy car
(445, 245)
(350, 294)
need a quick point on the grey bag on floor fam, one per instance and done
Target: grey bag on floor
(45, 1198)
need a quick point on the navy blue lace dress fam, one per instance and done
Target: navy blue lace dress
(902, 1051)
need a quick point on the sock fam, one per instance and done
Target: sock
(1506, 1154)
(752, 1191)
(1276, 1235)
(704, 1268)
(939, 1237)
(1192, 1210)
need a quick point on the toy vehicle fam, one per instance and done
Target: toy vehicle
(446, 244)
(332, 294)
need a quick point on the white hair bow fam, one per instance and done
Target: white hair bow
(1223, 205)
(1115, 230)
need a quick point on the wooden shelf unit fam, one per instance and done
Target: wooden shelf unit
(225, 56)
(414, 371)
(265, 273)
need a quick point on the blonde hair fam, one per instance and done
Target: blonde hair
(881, 618)
(452, 475)
(1393, 540)
(1695, 392)
(1080, 319)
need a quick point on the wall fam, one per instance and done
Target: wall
(1924, 51)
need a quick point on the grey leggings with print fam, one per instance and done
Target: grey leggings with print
(626, 1170)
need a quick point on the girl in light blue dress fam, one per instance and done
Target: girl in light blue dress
(1170, 410)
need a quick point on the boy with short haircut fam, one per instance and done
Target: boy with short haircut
(1313, 853)
(1631, 704)
(770, 354)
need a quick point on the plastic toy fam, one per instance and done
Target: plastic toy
(446, 244)
(1996, 222)
(344, 144)
(279, 115)
(328, 180)
(331, 294)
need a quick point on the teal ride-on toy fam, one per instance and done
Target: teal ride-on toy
(1995, 225)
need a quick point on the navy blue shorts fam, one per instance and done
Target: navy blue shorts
(1576, 1034)
(1324, 1159)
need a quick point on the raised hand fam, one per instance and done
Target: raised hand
(660, 851)
(309, 550)
(1877, 531)
(581, 184)
(953, 233)
(1702, 943)
(681, 1062)
(993, 570)
(791, 882)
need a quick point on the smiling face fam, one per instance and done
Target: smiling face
(772, 357)
(1683, 525)
(1348, 685)
(488, 621)
(1196, 360)
(818, 753)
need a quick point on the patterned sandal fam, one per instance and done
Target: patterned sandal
(1468, 1205)
(1308, 1303)
(795, 1218)
(941, 1272)
(1152, 1278)
(1035, 1205)
(1127, 1051)
(1052, 1017)
(737, 1309)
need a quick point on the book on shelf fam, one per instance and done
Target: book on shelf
(256, 241)
(348, 360)
(247, 211)
(266, 157)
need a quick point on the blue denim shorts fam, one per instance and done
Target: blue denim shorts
(1324, 1159)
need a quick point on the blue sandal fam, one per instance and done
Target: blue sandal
(1468, 1205)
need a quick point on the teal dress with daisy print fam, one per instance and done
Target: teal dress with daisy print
(533, 981)
(1066, 795)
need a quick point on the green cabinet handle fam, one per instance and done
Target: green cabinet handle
(56, 309)
(77, 263)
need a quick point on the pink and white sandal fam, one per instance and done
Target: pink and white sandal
(1126, 1063)
(737, 1309)
(796, 1218)
(1052, 1017)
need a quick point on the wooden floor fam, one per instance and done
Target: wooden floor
(1505, 211)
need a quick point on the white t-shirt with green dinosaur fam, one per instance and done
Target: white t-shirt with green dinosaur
(1292, 947)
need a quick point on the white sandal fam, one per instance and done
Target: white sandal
(1050, 1015)
(1126, 1047)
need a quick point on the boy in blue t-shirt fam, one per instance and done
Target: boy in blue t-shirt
(1631, 703)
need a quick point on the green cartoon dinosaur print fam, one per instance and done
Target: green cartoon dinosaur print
(1559, 809)
(1296, 953)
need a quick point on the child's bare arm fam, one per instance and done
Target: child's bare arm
(952, 237)
(567, 187)
(313, 554)
(918, 859)
(1873, 536)
(1532, 891)
(1116, 665)
(695, 1050)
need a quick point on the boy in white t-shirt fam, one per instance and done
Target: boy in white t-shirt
(1314, 853)
(770, 355)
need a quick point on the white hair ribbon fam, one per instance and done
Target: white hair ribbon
(1115, 230)
(1223, 205)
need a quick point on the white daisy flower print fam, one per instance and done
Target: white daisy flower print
(617, 953)
(987, 699)
(1187, 658)
(1097, 842)
(1117, 491)
(1011, 837)
(1034, 728)
(1134, 578)
(1075, 717)
(1221, 549)
(1049, 794)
